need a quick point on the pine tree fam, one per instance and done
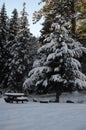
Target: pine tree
(13, 27)
(4, 53)
(21, 46)
(58, 67)
(12, 45)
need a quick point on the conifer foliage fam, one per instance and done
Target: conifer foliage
(12, 46)
(21, 51)
(4, 53)
(16, 43)
(58, 68)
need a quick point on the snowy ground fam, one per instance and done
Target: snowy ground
(42, 116)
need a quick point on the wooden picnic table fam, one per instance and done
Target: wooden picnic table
(17, 97)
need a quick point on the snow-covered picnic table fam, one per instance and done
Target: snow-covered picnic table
(17, 97)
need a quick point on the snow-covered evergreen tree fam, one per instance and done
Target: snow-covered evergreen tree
(58, 67)
(20, 40)
(17, 49)
(12, 45)
(13, 28)
(4, 53)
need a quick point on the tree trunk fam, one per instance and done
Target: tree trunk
(73, 26)
(57, 97)
(73, 20)
(58, 92)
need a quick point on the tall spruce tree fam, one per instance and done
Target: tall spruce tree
(58, 67)
(13, 28)
(4, 53)
(20, 62)
(12, 46)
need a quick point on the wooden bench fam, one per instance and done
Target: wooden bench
(21, 99)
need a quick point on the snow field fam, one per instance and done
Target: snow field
(37, 116)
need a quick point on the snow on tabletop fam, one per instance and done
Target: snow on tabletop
(14, 94)
(37, 116)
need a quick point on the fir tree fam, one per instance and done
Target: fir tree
(4, 53)
(20, 62)
(13, 26)
(58, 67)
(12, 46)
